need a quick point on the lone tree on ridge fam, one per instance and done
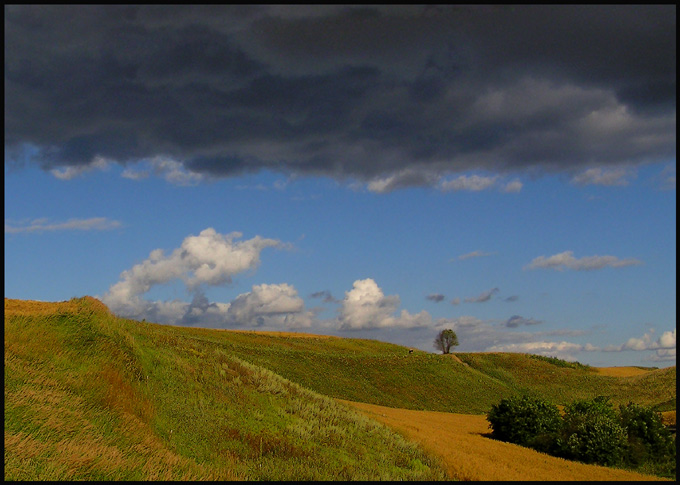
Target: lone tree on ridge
(445, 340)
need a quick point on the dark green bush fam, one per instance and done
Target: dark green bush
(649, 441)
(591, 433)
(524, 421)
(645, 427)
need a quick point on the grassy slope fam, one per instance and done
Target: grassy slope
(386, 374)
(88, 395)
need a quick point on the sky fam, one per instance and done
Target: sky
(380, 172)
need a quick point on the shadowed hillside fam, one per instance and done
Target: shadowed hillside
(92, 396)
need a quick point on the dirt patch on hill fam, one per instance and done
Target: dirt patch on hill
(457, 359)
(468, 453)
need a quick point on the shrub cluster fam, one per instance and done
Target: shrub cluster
(590, 431)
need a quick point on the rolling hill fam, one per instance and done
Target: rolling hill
(92, 396)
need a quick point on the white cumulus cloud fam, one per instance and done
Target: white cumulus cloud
(270, 305)
(562, 350)
(365, 307)
(209, 258)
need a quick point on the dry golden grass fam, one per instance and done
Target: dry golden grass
(34, 308)
(621, 371)
(668, 418)
(41, 308)
(461, 441)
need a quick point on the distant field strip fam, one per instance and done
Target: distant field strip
(460, 441)
(621, 371)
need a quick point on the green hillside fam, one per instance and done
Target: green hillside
(387, 374)
(91, 396)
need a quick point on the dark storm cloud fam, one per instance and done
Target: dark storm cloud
(359, 92)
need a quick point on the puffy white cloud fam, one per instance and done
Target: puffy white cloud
(646, 342)
(273, 307)
(276, 304)
(667, 340)
(566, 260)
(663, 347)
(365, 307)
(209, 258)
(563, 350)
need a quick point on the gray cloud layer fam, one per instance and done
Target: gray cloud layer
(566, 260)
(41, 225)
(393, 96)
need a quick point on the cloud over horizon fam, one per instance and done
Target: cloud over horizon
(391, 96)
(213, 259)
(207, 259)
(366, 307)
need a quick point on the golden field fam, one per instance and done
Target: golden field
(462, 442)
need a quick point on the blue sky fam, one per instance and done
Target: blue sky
(349, 172)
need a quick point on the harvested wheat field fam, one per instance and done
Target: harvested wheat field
(468, 454)
(621, 371)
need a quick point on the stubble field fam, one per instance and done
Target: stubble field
(461, 442)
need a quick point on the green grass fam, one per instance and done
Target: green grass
(91, 396)
(562, 384)
(386, 374)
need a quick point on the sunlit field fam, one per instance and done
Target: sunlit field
(89, 396)
(621, 371)
(462, 442)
